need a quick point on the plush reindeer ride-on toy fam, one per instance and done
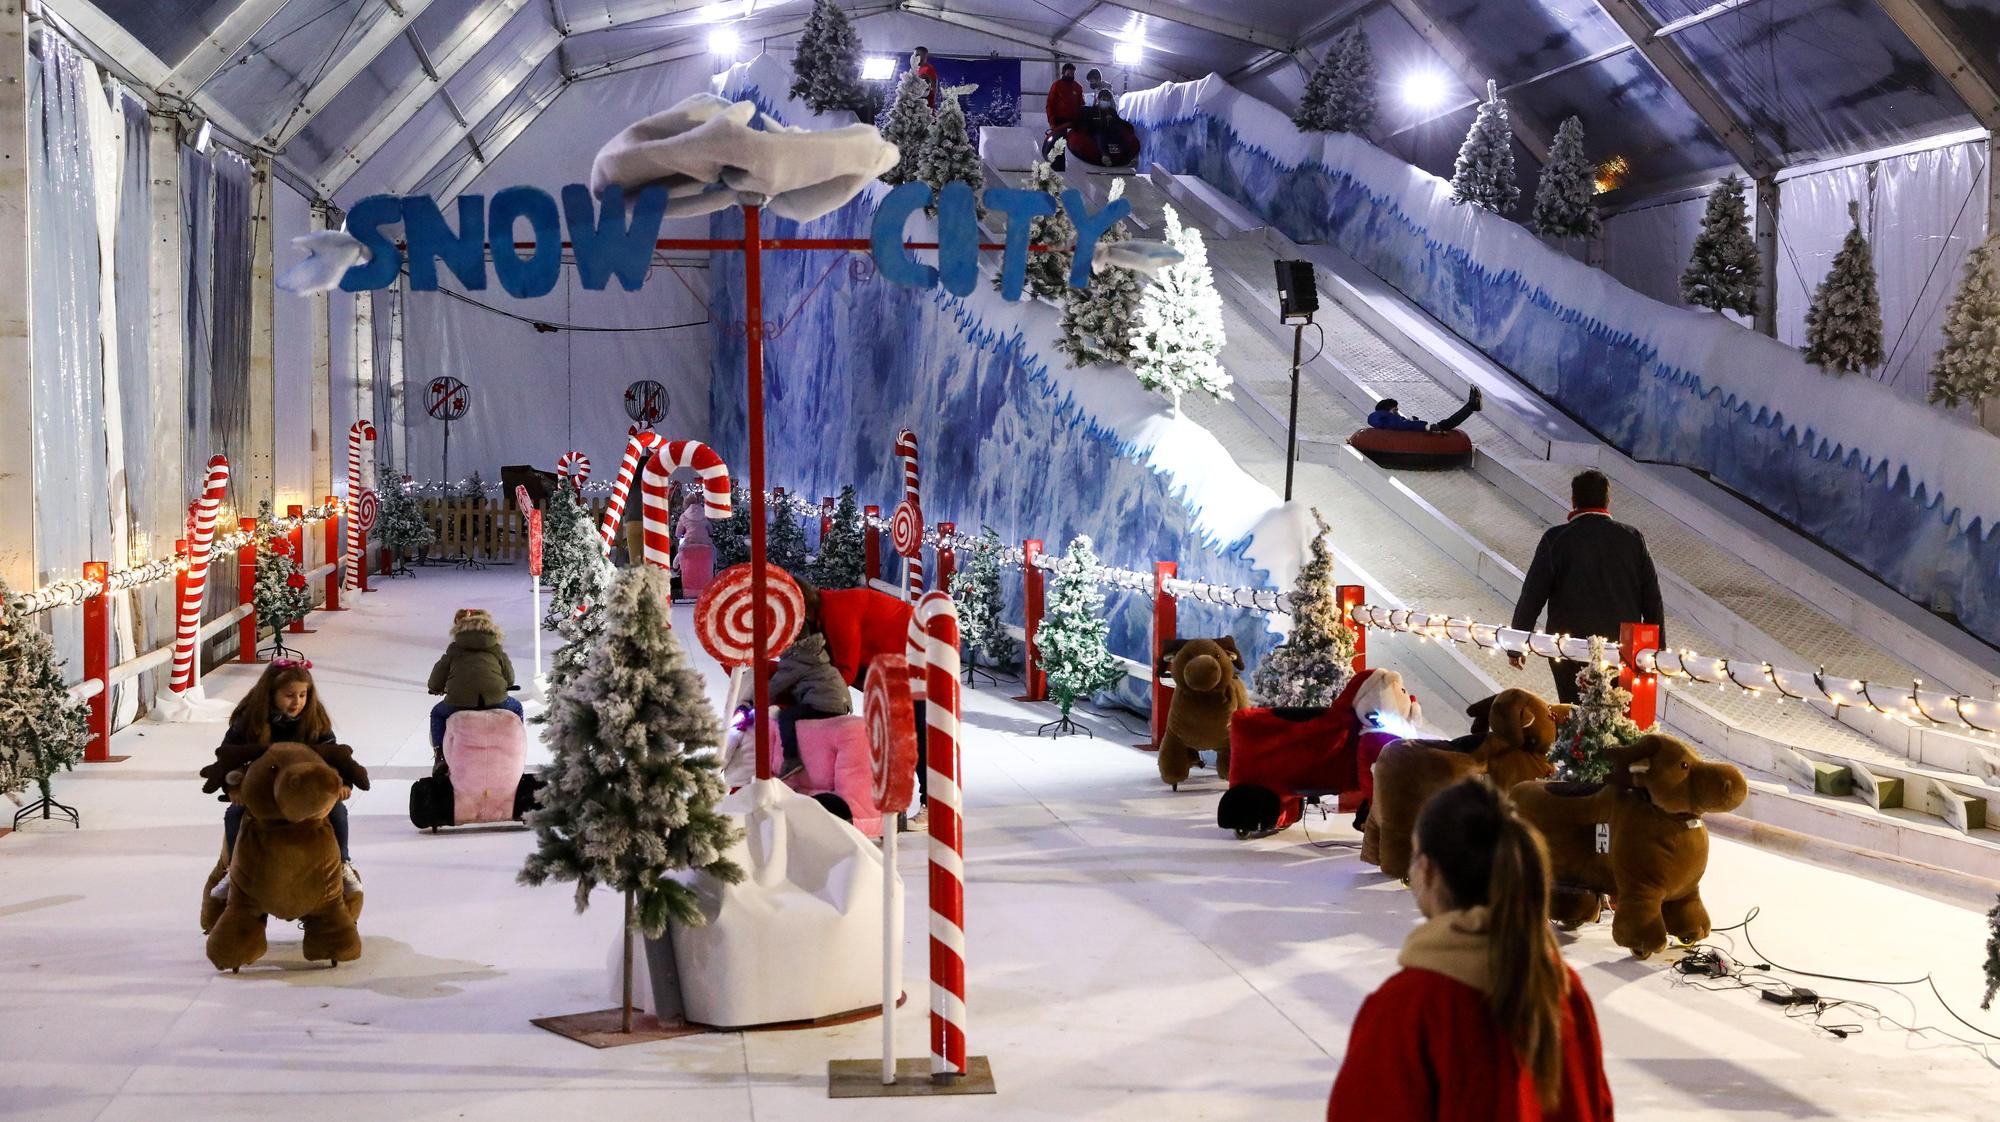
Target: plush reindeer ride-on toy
(286, 862)
(1637, 836)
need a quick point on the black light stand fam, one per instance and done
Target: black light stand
(1298, 299)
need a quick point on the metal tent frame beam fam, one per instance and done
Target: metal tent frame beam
(1944, 47)
(397, 15)
(1011, 34)
(215, 50)
(1227, 29)
(490, 97)
(1455, 51)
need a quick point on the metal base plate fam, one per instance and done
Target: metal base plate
(862, 1079)
(599, 1029)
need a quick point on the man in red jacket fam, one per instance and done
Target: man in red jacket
(1065, 100)
(920, 61)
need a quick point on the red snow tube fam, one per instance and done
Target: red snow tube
(1399, 449)
(1123, 146)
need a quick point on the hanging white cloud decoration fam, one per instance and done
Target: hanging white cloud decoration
(329, 254)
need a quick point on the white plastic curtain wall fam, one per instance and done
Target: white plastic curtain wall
(292, 372)
(215, 209)
(151, 427)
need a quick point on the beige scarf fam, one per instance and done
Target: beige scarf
(1453, 944)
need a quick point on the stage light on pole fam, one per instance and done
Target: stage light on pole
(723, 41)
(1425, 89)
(878, 68)
(1129, 53)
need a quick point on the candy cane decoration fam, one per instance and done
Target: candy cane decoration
(655, 484)
(201, 536)
(934, 633)
(356, 433)
(573, 463)
(641, 444)
(709, 468)
(913, 568)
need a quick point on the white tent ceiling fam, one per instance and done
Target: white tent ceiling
(356, 96)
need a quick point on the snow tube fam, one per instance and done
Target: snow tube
(1123, 149)
(1419, 450)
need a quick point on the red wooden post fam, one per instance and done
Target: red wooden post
(1645, 687)
(297, 538)
(1032, 677)
(330, 534)
(1165, 626)
(871, 542)
(1350, 597)
(947, 557)
(246, 582)
(97, 663)
(825, 518)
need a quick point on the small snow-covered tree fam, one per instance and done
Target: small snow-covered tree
(1315, 661)
(731, 535)
(1484, 173)
(629, 796)
(1048, 273)
(574, 568)
(1722, 270)
(785, 540)
(400, 523)
(1311, 114)
(948, 155)
(42, 729)
(975, 588)
(1968, 365)
(1597, 722)
(842, 560)
(1565, 198)
(579, 634)
(1844, 322)
(1178, 332)
(1340, 97)
(281, 594)
(826, 66)
(1097, 321)
(1071, 636)
(907, 125)
(1992, 957)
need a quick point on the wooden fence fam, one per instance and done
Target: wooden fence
(487, 529)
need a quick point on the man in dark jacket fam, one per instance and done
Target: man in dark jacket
(1388, 414)
(1592, 574)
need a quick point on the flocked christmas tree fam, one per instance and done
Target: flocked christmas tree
(42, 729)
(948, 155)
(1340, 97)
(842, 559)
(1071, 637)
(1597, 722)
(628, 799)
(1844, 321)
(574, 568)
(731, 535)
(1178, 331)
(1992, 957)
(281, 594)
(975, 588)
(1565, 198)
(1313, 664)
(1097, 321)
(400, 524)
(579, 634)
(1968, 365)
(907, 125)
(1722, 270)
(785, 540)
(1048, 273)
(1484, 173)
(826, 64)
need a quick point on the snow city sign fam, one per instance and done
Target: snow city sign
(611, 239)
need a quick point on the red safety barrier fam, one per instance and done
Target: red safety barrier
(1645, 687)
(297, 538)
(871, 542)
(825, 518)
(1032, 675)
(97, 663)
(246, 588)
(1350, 597)
(947, 557)
(1165, 625)
(330, 534)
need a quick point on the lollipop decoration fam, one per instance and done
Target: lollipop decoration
(913, 565)
(356, 433)
(640, 444)
(188, 623)
(725, 616)
(367, 509)
(892, 733)
(906, 531)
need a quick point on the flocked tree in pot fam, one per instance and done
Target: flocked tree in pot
(400, 523)
(574, 568)
(842, 557)
(1484, 172)
(1565, 197)
(1844, 321)
(975, 588)
(1597, 723)
(1071, 637)
(629, 796)
(1097, 320)
(42, 729)
(948, 155)
(907, 125)
(1048, 273)
(281, 594)
(1178, 331)
(1722, 269)
(826, 65)
(1315, 661)
(785, 540)
(1968, 365)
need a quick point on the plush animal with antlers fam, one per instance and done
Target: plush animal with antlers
(1208, 689)
(1638, 836)
(286, 862)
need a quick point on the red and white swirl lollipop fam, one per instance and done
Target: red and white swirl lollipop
(892, 732)
(906, 529)
(367, 509)
(725, 617)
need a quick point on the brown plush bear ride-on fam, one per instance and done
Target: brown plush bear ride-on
(1512, 732)
(1208, 687)
(1638, 836)
(286, 863)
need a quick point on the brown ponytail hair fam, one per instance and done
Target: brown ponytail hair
(1488, 856)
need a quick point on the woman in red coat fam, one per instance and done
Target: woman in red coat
(1484, 1021)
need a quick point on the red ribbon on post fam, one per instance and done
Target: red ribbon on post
(1644, 687)
(1350, 597)
(1032, 675)
(246, 580)
(1166, 623)
(97, 662)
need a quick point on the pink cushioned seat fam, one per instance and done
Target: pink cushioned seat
(836, 756)
(485, 750)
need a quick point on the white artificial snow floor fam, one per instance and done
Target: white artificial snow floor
(1128, 960)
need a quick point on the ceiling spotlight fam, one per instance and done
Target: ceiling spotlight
(723, 41)
(878, 68)
(1425, 89)
(1128, 53)
(204, 136)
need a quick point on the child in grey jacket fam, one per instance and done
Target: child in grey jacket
(805, 686)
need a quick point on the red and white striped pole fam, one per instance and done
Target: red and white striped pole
(934, 636)
(638, 447)
(573, 463)
(907, 528)
(187, 623)
(357, 432)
